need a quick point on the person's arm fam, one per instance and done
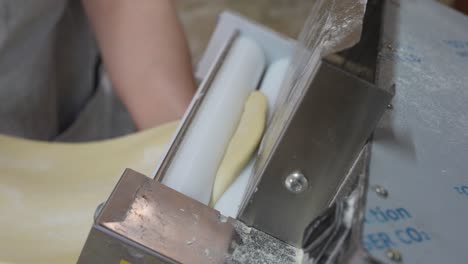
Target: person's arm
(146, 55)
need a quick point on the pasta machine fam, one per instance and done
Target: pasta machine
(329, 183)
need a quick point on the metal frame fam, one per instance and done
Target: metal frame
(333, 122)
(146, 222)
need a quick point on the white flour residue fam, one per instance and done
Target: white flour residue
(257, 247)
(343, 24)
(436, 97)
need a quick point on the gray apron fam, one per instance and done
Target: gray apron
(50, 86)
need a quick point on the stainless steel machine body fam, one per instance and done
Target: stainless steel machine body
(399, 198)
(417, 205)
(147, 222)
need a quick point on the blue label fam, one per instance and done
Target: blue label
(379, 215)
(459, 46)
(406, 235)
(462, 189)
(399, 237)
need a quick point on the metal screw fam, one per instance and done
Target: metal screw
(381, 191)
(394, 255)
(222, 218)
(98, 211)
(296, 182)
(390, 106)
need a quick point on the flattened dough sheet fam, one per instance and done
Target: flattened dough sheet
(49, 191)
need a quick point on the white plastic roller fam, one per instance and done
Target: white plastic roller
(193, 169)
(272, 81)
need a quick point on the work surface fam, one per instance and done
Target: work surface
(199, 17)
(420, 151)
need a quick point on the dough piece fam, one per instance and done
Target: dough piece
(242, 145)
(49, 191)
(230, 202)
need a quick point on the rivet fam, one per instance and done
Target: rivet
(296, 182)
(394, 255)
(98, 211)
(381, 191)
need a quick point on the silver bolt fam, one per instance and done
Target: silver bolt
(222, 218)
(98, 211)
(296, 182)
(390, 106)
(381, 191)
(394, 255)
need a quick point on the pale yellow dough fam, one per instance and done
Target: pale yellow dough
(49, 191)
(242, 145)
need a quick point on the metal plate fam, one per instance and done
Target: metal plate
(157, 218)
(420, 153)
(332, 124)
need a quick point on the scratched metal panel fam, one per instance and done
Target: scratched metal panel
(420, 154)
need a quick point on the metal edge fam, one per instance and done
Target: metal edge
(198, 100)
